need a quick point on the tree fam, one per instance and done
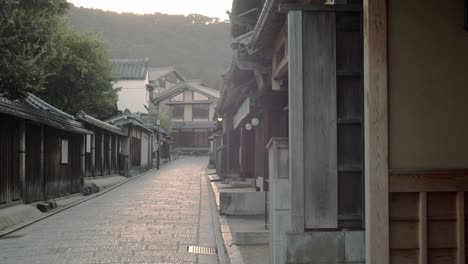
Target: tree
(82, 75)
(28, 32)
(164, 115)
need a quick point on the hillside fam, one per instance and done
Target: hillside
(197, 45)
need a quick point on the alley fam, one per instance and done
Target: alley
(151, 219)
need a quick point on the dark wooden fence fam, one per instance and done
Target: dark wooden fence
(34, 189)
(136, 151)
(9, 160)
(61, 178)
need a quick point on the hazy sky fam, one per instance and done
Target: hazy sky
(211, 8)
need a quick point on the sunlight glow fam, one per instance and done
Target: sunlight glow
(211, 8)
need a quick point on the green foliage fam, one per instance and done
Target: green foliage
(198, 46)
(28, 33)
(164, 115)
(82, 78)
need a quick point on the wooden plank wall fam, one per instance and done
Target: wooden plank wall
(427, 216)
(320, 120)
(9, 160)
(34, 189)
(349, 86)
(61, 179)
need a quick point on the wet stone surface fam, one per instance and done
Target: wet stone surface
(146, 220)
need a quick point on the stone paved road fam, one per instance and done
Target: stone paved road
(147, 220)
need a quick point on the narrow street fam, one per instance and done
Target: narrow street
(151, 219)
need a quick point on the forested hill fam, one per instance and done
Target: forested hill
(197, 45)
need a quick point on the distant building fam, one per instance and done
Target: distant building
(132, 78)
(163, 78)
(192, 106)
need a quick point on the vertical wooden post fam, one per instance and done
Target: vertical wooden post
(376, 131)
(93, 152)
(461, 228)
(422, 228)
(83, 156)
(296, 121)
(22, 160)
(109, 158)
(320, 144)
(129, 144)
(103, 161)
(42, 166)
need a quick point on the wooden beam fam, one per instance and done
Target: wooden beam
(461, 228)
(285, 8)
(424, 181)
(376, 131)
(422, 228)
(296, 121)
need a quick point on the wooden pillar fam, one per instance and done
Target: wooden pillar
(376, 131)
(109, 166)
(83, 156)
(313, 120)
(103, 161)
(129, 144)
(93, 152)
(22, 159)
(42, 166)
(296, 121)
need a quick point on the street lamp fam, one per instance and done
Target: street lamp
(158, 123)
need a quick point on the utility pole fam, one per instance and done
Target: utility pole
(158, 123)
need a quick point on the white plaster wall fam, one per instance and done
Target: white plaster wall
(428, 84)
(133, 95)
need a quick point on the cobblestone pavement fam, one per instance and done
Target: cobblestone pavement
(148, 220)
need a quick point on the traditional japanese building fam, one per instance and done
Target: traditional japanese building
(40, 151)
(136, 148)
(192, 108)
(132, 80)
(102, 148)
(372, 170)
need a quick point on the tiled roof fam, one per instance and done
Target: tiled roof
(35, 109)
(98, 123)
(190, 85)
(130, 69)
(128, 118)
(156, 73)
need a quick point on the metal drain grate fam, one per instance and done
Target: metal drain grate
(202, 250)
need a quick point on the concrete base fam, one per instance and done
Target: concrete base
(325, 247)
(248, 230)
(242, 203)
(98, 185)
(18, 214)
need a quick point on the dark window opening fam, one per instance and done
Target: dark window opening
(178, 111)
(201, 111)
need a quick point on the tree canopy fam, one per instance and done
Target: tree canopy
(28, 34)
(42, 54)
(82, 76)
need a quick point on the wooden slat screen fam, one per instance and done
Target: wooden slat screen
(427, 219)
(9, 159)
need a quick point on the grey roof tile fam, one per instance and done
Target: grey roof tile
(130, 69)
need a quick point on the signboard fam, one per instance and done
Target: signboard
(243, 111)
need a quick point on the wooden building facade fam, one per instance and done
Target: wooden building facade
(40, 151)
(102, 148)
(191, 105)
(137, 148)
(376, 99)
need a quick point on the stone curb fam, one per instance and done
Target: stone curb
(85, 198)
(223, 234)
